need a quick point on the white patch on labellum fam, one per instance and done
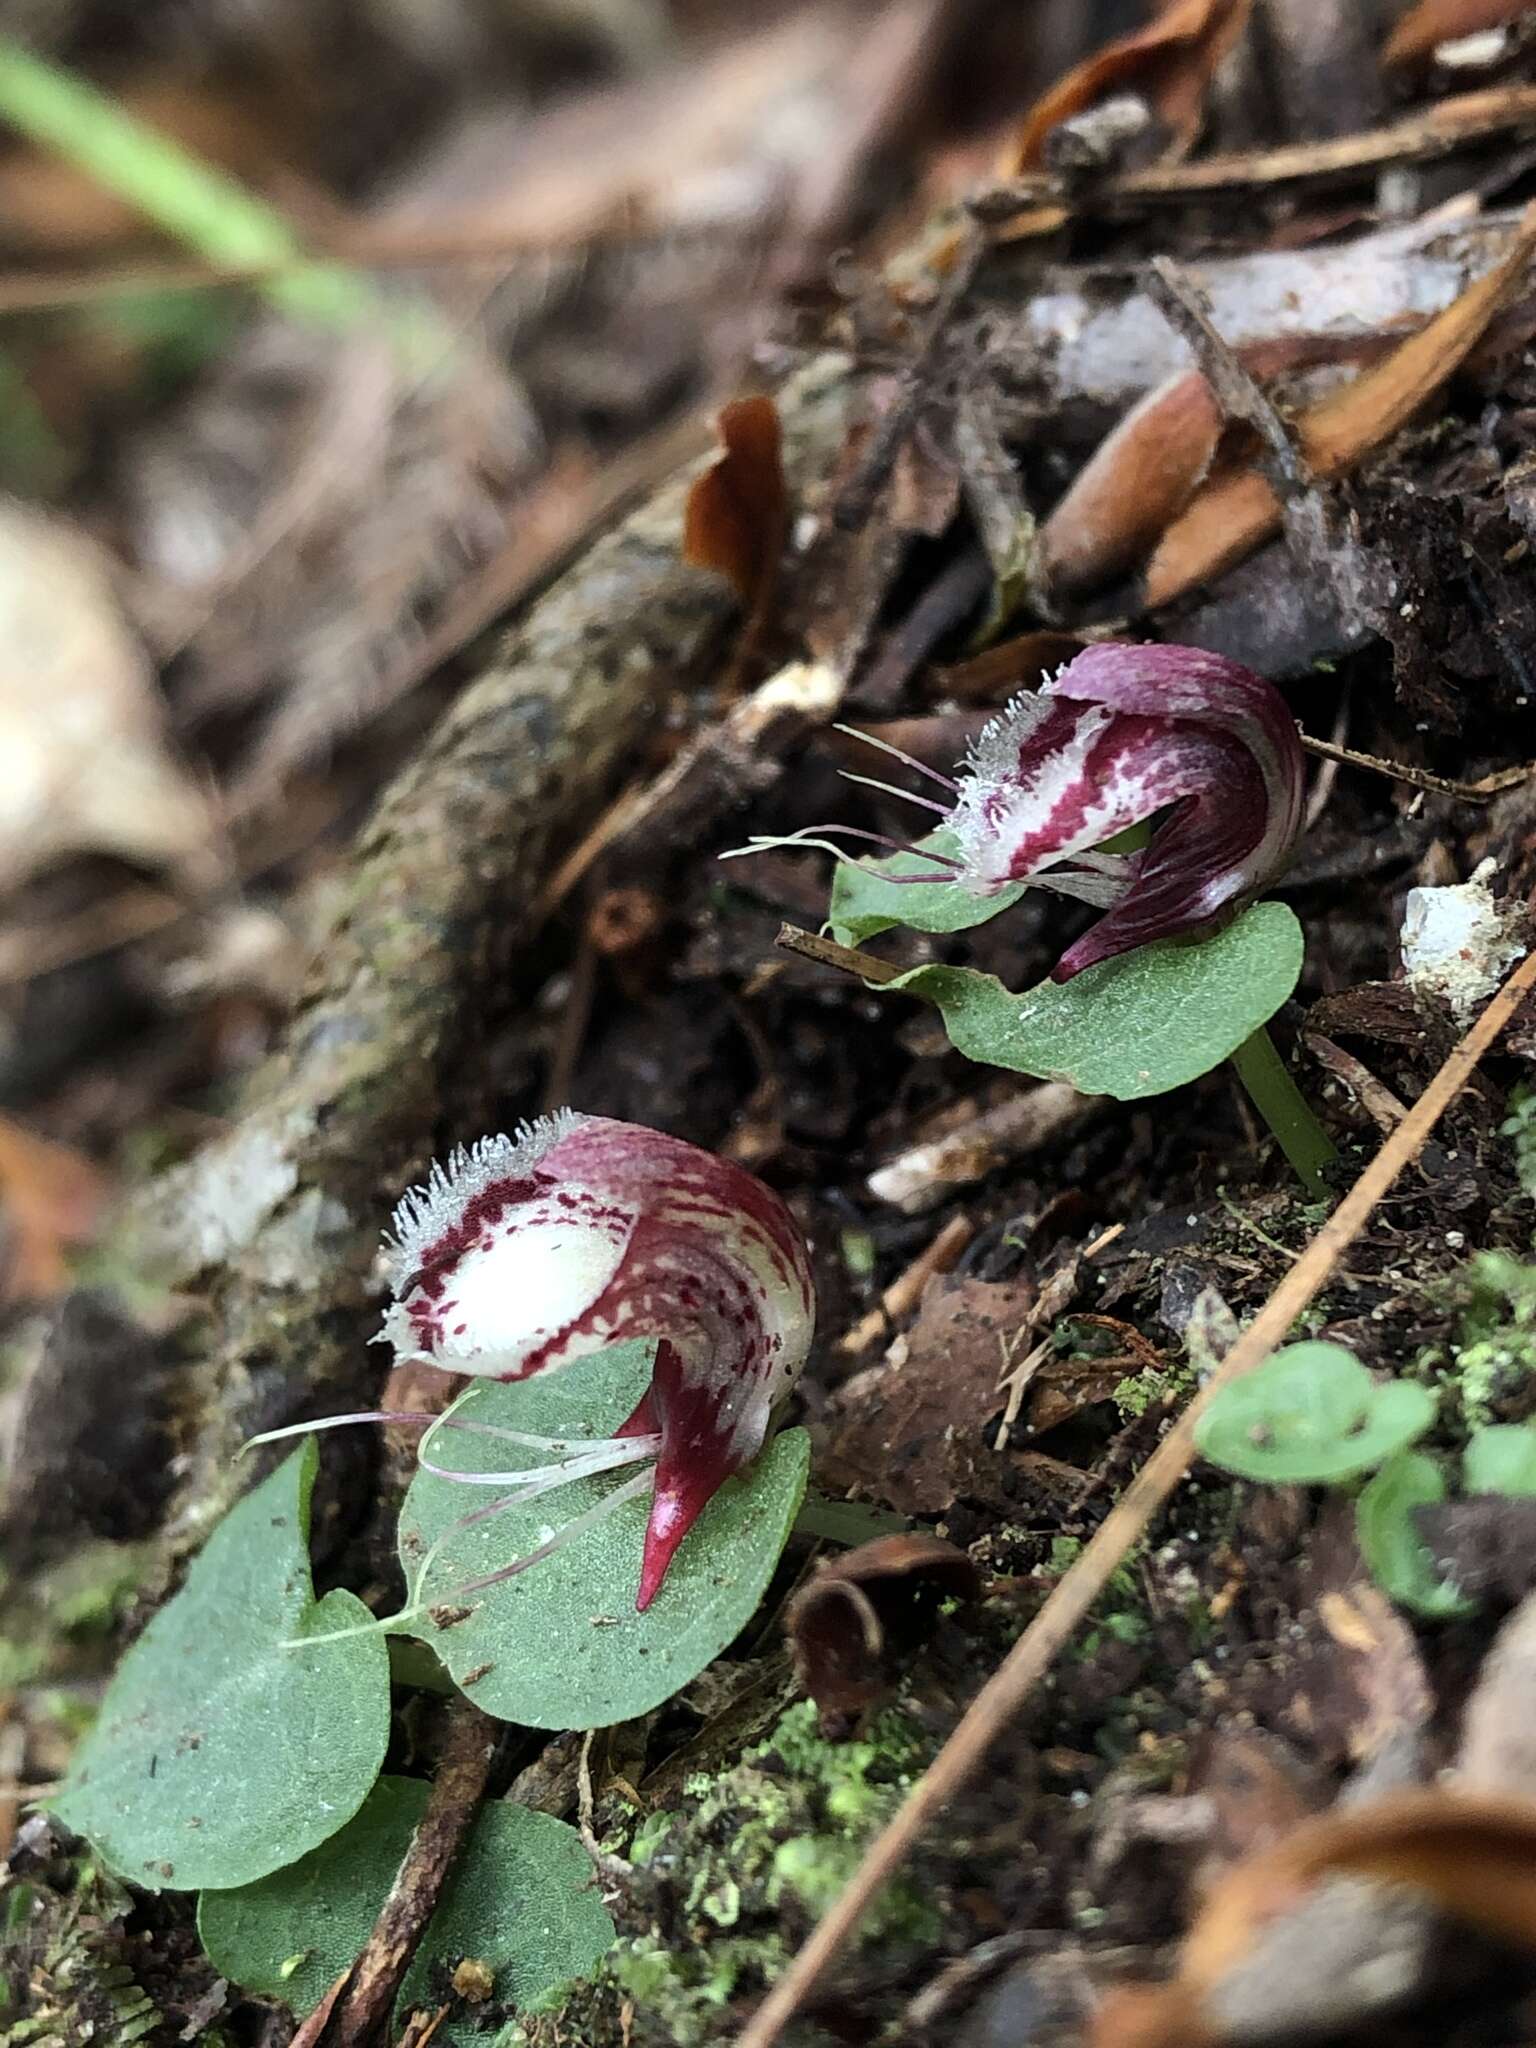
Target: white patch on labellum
(534, 1281)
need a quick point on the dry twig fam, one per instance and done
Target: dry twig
(1452, 124)
(469, 1746)
(827, 953)
(905, 1291)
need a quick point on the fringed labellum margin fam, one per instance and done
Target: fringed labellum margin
(532, 1251)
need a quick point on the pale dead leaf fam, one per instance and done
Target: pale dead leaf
(1475, 1858)
(88, 764)
(1498, 1736)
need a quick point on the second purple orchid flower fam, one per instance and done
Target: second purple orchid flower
(1123, 732)
(1120, 734)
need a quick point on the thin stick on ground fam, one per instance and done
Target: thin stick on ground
(828, 953)
(1450, 125)
(469, 1746)
(1076, 1592)
(905, 1291)
(1238, 392)
(1483, 791)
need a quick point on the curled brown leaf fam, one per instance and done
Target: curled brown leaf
(738, 509)
(50, 1197)
(863, 1612)
(1137, 481)
(1170, 63)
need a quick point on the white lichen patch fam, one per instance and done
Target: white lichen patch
(1459, 943)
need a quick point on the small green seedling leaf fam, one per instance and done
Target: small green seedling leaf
(1311, 1415)
(521, 1900)
(562, 1646)
(1501, 1458)
(1399, 1559)
(1131, 1027)
(220, 1754)
(864, 903)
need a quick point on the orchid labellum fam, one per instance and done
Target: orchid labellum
(1122, 734)
(526, 1253)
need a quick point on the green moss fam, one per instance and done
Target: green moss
(739, 1874)
(1520, 1128)
(1134, 1395)
(1497, 1347)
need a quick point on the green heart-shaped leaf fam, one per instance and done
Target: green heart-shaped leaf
(864, 903)
(521, 1900)
(221, 1754)
(1311, 1415)
(1399, 1558)
(561, 1646)
(1139, 1025)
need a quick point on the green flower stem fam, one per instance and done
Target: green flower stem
(1284, 1108)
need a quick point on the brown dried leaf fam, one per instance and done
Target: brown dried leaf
(925, 484)
(1170, 63)
(1423, 28)
(738, 509)
(1236, 509)
(1137, 481)
(50, 1197)
(1474, 1856)
(1258, 1788)
(909, 1431)
(1000, 672)
(864, 1612)
(1380, 1663)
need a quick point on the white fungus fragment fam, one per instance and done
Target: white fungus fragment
(1458, 943)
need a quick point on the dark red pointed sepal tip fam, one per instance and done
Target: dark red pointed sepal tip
(679, 1500)
(669, 1523)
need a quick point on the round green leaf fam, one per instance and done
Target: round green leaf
(1139, 1025)
(220, 1753)
(864, 903)
(1399, 1559)
(562, 1646)
(521, 1900)
(1309, 1415)
(1500, 1458)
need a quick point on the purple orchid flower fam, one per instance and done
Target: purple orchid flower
(529, 1252)
(1122, 732)
(526, 1253)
